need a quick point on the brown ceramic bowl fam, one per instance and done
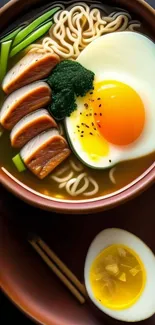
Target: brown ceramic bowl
(145, 13)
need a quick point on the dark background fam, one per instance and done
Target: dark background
(8, 313)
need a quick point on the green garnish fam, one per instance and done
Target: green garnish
(5, 50)
(19, 163)
(68, 80)
(11, 35)
(31, 38)
(31, 27)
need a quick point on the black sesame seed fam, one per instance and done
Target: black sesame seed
(78, 126)
(87, 126)
(100, 105)
(90, 114)
(82, 131)
(100, 114)
(87, 115)
(109, 160)
(95, 113)
(95, 129)
(98, 98)
(86, 105)
(80, 113)
(91, 93)
(99, 125)
(81, 136)
(91, 133)
(92, 124)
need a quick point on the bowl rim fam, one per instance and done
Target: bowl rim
(82, 206)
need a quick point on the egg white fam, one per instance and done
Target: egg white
(144, 307)
(129, 58)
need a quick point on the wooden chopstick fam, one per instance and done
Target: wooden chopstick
(59, 270)
(62, 266)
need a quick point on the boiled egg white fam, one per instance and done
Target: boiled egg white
(115, 121)
(120, 275)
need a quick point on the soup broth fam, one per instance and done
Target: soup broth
(91, 182)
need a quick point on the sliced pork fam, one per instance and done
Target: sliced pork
(32, 67)
(30, 126)
(45, 152)
(24, 101)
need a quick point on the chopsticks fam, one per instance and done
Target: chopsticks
(59, 268)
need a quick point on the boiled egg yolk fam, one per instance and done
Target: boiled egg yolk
(118, 112)
(117, 277)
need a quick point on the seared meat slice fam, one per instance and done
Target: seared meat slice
(32, 67)
(30, 126)
(24, 101)
(45, 152)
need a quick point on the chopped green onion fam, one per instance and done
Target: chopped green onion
(5, 50)
(31, 38)
(11, 35)
(31, 27)
(19, 163)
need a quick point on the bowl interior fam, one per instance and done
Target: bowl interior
(146, 15)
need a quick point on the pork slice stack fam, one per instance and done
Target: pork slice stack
(33, 128)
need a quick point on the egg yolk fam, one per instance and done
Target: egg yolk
(118, 111)
(91, 141)
(117, 277)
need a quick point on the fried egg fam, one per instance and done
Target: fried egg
(120, 275)
(115, 121)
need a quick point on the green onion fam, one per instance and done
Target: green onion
(45, 22)
(5, 50)
(19, 163)
(31, 38)
(30, 28)
(11, 35)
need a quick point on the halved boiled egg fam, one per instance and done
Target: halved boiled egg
(115, 121)
(120, 275)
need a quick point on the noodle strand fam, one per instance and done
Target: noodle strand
(75, 28)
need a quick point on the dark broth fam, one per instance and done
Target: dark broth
(125, 173)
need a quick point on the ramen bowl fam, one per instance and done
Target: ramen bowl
(42, 195)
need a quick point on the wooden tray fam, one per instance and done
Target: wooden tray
(30, 283)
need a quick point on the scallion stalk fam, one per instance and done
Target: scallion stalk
(5, 50)
(31, 27)
(19, 163)
(11, 35)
